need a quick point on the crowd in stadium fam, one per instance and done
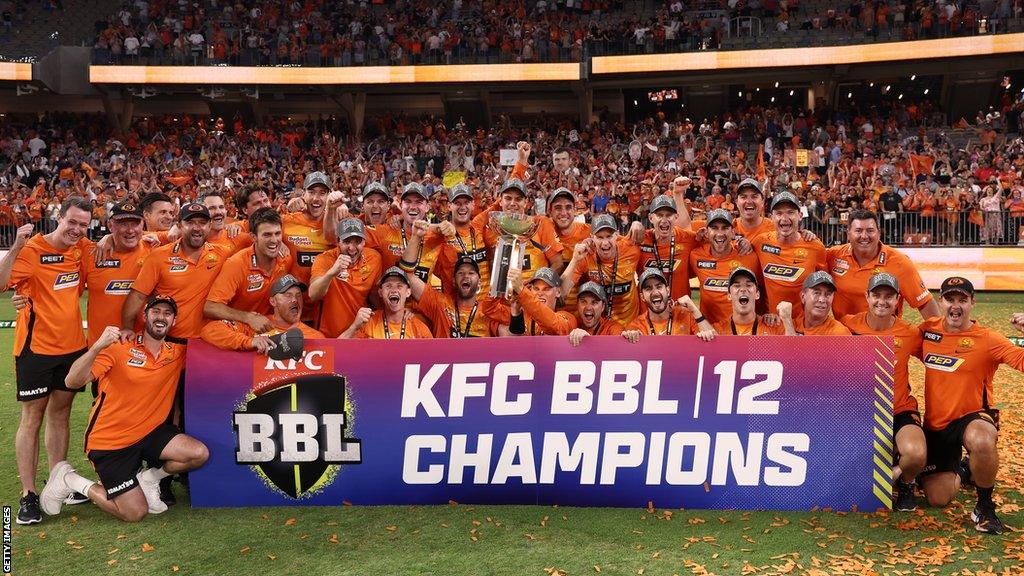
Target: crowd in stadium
(417, 32)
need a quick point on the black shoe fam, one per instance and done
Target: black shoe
(963, 470)
(166, 495)
(29, 512)
(906, 501)
(985, 519)
(76, 498)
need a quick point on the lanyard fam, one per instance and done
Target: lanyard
(533, 328)
(405, 244)
(387, 330)
(462, 244)
(651, 326)
(469, 322)
(609, 287)
(753, 331)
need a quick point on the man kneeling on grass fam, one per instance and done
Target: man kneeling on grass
(129, 420)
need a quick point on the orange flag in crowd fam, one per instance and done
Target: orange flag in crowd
(921, 164)
(89, 170)
(761, 177)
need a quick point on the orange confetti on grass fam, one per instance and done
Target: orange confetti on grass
(333, 539)
(290, 522)
(147, 547)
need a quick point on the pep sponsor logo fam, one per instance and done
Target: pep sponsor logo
(66, 280)
(942, 363)
(782, 272)
(118, 287)
(717, 284)
(178, 268)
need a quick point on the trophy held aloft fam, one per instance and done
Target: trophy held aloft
(513, 231)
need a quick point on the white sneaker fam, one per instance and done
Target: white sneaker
(56, 489)
(152, 492)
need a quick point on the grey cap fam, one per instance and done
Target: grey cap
(458, 191)
(560, 193)
(314, 178)
(284, 283)
(548, 276)
(663, 201)
(719, 214)
(651, 273)
(396, 272)
(376, 188)
(818, 278)
(415, 188)
(602, 222)
(595, 289)
(883, 279)
(784, 198)
(741, 271)
(350, 227)
(514, 184)
(750, 183)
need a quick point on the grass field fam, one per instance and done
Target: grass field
(524, 540)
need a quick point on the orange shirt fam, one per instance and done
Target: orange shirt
(169, 272)
(136, 392)
(243, 285)
(242, 240)
(618, 277)
(305, 240)
(784, 267)
(852, 279)
(231, 335)
(391, 244)
(680, 322)
(465, 322)
(959, 369)
(906, 343)
(713, 274)
(345, 297)
(830, 327)
(541, 320)
(748, 232)
(605, 327)
(577, 233)
(52, 325)
(469, 241)
(378, 328)
(729, 327)
(672, 258)
(109, 284)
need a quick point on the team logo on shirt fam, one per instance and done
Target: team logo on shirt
(51, 258)
(782, 273)
(769, 249)
(966, 343)
(65, 280)
(118, 287)
(734, 264)
(800, 253)
(942, 363)
(717, 284)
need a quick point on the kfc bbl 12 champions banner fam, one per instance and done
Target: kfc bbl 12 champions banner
(741, 422)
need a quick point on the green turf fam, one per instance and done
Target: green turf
(463, 539)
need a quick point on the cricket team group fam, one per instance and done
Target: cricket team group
(376, 266)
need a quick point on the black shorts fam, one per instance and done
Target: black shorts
(39, 374)
(117, 468)
(905, 418)
(945, 447)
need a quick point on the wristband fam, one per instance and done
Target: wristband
(698, 319)
(518, 324)
(407, 266)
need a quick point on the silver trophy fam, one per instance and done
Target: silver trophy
(514, 231)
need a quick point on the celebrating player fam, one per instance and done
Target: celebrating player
(667, 246)
(590, 313)
(286, 296)
(786, 257)
(816, 300)
(714, 262)
(533, 312)
(611, 261)
(393, 321)
(743, 295)
(343, 278)
(665, 316)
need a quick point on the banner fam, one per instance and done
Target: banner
(453, 177)
(742, 422)
(507, 156)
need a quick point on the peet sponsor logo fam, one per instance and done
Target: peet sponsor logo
(51, 258)
(66, 280)
(932, 336)
(118, 287)
(707, 264)
(108, 264)
(942, 363)
(769, 249)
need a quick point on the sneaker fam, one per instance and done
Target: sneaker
(29, 511)
(76, 498)
(56, 489)
(152, 492)
(906, 501)
(166, 494)
(985, 519)
(963, 470)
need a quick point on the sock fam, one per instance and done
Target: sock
(985, 495)
(78, 483)
(153, 474)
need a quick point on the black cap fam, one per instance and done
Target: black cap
(162, 299)
(376, 188)
(514, 184)
(883, 279)
(350, 227)
(397, 273)
(466, 259)
(741, 271)
(126, 210)
(194, 210)
(818, 278)
(651, 273)
(288, 345)
(284, 283)
(459, 191)
(957, 284)
(562, 192)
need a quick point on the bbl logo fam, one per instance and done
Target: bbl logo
(292, 430)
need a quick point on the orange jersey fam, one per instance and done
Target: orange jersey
(852, 279)
(391, 244)
(729, 327)
(784, 267)
(345, 297)
(906, 344)
(578, 232)
(605, 327)
(305, 240)
(713, 275)
(673, 259)
(231, 335)
(378, 328)
(681, 321)
(463, 322)
(167, 271)
(618, 277)
(749, 232)
(959, 369)
(830, 327)
(52, 325)
(109, 283)
(241, 240)
(469, 242)
(243, 285)
(541, 320)
(136, 392)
